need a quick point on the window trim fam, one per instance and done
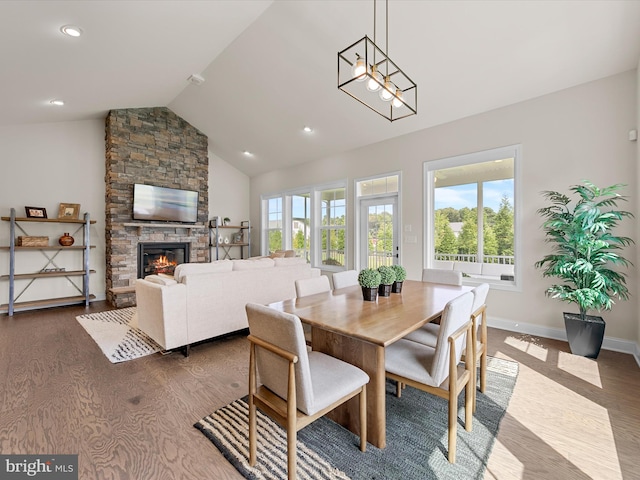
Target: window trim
(429, 167)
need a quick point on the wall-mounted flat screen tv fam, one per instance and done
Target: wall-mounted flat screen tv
(164, 204)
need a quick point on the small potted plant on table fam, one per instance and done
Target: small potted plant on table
(369, 279)
(387, 277)
(585, 249)
(401, 274)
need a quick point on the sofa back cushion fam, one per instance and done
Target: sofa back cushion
(287, 261)
(184, 269)
(253, 263)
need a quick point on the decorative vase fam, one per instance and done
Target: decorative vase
(384, 290)
(66, 240)
(396, 287)
(370, 294)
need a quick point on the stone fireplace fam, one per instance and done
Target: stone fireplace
(156, 147)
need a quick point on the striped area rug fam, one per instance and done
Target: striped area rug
(117, 334)
(416, 438)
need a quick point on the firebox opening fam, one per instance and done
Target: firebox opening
(161, 258)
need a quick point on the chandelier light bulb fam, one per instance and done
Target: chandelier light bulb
(359, 69)
(397, 99)
(373, 85)
(386, 93)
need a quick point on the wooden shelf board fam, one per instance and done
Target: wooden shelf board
(70, 273)
(47, 220)
(49, 247)
(51, 302)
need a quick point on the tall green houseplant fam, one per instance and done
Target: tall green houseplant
(584, 247)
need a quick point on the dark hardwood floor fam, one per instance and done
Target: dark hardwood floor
(569, 417)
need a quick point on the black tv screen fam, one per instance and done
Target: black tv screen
(164, 204)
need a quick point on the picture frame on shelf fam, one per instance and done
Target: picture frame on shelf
(69, 211)
(36, 212)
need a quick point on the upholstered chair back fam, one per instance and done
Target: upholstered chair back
(345, 279)
(313, 285)
(439, 275)
(479, 296)
(456, 313)
(285, 331)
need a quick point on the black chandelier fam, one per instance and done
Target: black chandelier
(367, 74)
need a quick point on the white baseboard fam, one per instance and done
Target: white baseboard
(609, 343)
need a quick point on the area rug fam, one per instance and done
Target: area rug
(117, 334)
(416, 438)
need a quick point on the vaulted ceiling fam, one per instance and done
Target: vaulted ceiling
(270, 66)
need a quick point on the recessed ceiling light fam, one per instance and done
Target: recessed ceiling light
(56, 102)
(307, 129)
(71, 30)
(248, 153)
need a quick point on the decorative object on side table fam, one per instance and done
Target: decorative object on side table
(226, 240)
(66, 240)
(69, 211)
(584, 250)
(369, 280)
(36, 212)
(220, 240)
(387, 277)
(401, 274)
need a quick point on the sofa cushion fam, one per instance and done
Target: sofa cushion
(285, 262)
(219, 266)
(160, 280)
(253, 264)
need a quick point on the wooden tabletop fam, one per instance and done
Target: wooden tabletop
(381, 322)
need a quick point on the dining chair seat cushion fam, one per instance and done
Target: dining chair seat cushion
(332, 379)
(412, 360)
(427, 335)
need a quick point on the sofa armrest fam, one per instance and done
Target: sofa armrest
(162, 312)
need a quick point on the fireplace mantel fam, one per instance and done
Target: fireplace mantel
(175, 226)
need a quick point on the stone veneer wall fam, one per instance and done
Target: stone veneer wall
(156, 147)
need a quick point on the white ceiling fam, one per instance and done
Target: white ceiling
(270, 66)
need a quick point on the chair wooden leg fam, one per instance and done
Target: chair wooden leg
(363, 419)
(252, 433)
(291, 448)
(474, 381)
(399, 388)
(469, 403)
(453, 421)
(483, 370)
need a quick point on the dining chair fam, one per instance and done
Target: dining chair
(297, 387)
(428, 335)
(440, 275)
(435, 370)
(345, 279)
(311, 286)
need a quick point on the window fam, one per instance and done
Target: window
(311, 221)
(471, 215)
(273, 230)
(333, 210)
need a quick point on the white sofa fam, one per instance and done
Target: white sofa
(493, 271)
(206, 300)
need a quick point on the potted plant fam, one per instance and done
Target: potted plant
(584, 250)
(226, 221)
(369, 279)
(401, 274)
(387, 277)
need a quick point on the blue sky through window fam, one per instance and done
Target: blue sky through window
(460, 196)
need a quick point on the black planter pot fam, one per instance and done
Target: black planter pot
(396, 287)
(370, 294)
(584, 336)
(384, 290)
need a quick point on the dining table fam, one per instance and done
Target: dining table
(347, 327)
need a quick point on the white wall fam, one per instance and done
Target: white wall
(228, 193)
(45, 164)
(571, 135)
